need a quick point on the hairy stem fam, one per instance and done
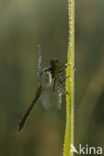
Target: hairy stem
(69, 132)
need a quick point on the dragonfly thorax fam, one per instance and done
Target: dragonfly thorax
(55, 66)
(45, 79)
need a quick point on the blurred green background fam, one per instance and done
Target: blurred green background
(23, 25)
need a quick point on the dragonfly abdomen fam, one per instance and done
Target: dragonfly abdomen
(26, 115)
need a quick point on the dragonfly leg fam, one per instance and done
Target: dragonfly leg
(54, 85)
(59, 83)
(59, 87)
(63, 68)
(65, 77)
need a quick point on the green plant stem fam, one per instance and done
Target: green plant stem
(69, 132)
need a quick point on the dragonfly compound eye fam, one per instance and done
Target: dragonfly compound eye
(54, 61)
(55, 65)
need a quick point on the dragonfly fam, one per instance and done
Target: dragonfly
(48, 79)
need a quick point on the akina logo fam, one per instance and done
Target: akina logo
(86, 149)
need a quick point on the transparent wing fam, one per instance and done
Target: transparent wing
(51, 99)
(48, 97)
(39, 67)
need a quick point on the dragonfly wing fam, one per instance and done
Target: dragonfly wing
(51, 99)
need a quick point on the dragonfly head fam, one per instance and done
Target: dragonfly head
(55, 65)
